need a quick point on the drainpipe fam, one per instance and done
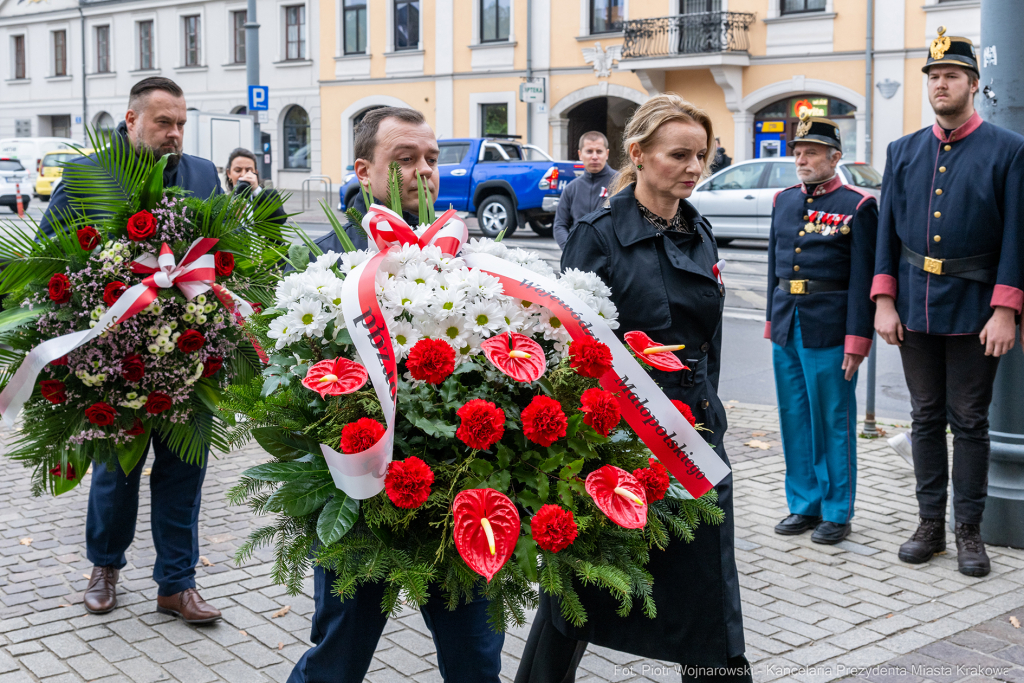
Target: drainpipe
(870, 429)
(85, 107)
(529, 68)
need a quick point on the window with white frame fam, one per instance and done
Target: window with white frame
(296, 138)
(407, 24)
(18, 61)
(606, 16)
(295, 32)
(146, 61)
(699, 6)
(494, 119)
(238, 20)
(801, 6)
(60, 53)
(102, 49)
(354, 26)
(190, 29)
(494, 20)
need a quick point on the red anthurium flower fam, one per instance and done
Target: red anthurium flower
(53, 391)
(602, 410)
(64, 473)
(408, 482)
(335, 377)
(516, 355)
(685, 410)
(654, 354)
(543, 421)
(654, 479)
(589, 357)
(486, 529)
(553, 528)
(619, 495)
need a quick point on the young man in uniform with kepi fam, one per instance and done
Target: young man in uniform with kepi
(948, 285)
(821, 254)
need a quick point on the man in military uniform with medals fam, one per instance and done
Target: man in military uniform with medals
(821, 255)
(948, 286)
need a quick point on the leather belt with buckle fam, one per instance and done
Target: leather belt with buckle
(981, 268)
(812, 286)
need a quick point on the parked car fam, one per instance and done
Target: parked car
(504, 184)
(30, 151)
(12, 176)
(738, 199)
(52, 168)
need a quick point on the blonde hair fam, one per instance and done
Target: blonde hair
(644, 125)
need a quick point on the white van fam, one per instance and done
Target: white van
(30, 151)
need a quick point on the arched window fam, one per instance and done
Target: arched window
(296, 138)
(103, 121)
(240, 109)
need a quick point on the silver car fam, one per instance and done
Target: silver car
(738, 199)
(13, 176)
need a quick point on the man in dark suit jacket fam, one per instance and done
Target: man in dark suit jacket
(155, 122)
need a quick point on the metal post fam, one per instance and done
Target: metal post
(252, 71)
(85, 108)
(529, 69)
(1001, 101)
(870, 429)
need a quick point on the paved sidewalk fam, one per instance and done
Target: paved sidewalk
(812, 613)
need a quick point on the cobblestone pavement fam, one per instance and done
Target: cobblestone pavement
(812, 613)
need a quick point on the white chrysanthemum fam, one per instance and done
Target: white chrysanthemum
(481, 284)
(586, 281)
(448, 302)
(315, 281)
(352, 259)
(331, 295)
(398, 257)
(443, 262)
(420, 273)
(484, 246)
(606, 309)
(408, 297)
(308, 317)
(282, 330)
(290, 289)
(324, 261)
(485, 317)
(516, 319)
(404, 335)
(453, 330)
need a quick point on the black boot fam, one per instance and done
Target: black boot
(796, 524)
(929, 539)
(971, 557)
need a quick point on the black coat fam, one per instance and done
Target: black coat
(662, 284)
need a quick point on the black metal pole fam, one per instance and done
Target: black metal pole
(1001, 57)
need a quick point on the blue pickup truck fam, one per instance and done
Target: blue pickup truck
(504, 184)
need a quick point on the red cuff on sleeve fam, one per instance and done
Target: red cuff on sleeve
(883, 284)
(768, 329)
(860, 346)
(1011, 297)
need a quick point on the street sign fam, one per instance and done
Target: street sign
(532, 92)
(259, 98)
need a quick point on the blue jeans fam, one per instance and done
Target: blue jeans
(345, 635)
(176, 490)
(818, 420)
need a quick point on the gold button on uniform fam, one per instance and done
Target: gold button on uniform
(810, 200)
(937, 238)
(798, 250)
(947, 148)
(938, 214)
(938, 191)
(801, 233)
(796, 267)
(942, 169)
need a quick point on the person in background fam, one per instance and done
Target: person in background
(722, 160)
(240, 176)
(821, 256)
(949, 285)
(588, 192)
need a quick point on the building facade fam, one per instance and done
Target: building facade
(200, 45)
(753, 64)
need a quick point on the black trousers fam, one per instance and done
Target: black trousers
(950, 381)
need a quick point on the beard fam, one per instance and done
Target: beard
(173, 154)
(952, 107)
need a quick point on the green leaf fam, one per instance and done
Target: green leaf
(153, 188)
(571, 470)
(574, 424)
(481, 467)
(552, 463)
(505, 456)
(299, 498)
(270, 385)
(435, 427)
(526, 556)
(339, 230)
(565, 494)
(133, 451)
(209, 393)
(298, 256)
(582, 448)
(284, 444)
(287, 471)
(337, 518)
(499, 481)
(16, 317)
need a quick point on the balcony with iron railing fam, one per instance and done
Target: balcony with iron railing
(686, 35)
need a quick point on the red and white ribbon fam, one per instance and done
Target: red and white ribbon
(193, 276)
(646, 408)
(717, 270)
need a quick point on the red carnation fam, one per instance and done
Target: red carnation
(60, 288)
(191, 341)
(88, 238)
(141, 226)
(63, 360)
(602, 410)
(654, 479)
(408, 482)
(685, 410)
(101, 414)
(257, 307)
(589, 357)
(543, 421)
(53, 391)
(113, 291)
(136, 429)
(66, 473)
(158, 402)
(431, 360)
(553, 528)
(224, 262)
(211, 365)
(483, 424)
(132, 368)
(357, 436)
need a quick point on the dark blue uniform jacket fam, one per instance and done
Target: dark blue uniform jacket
(198, 177)
(951, 198)
(829, 235)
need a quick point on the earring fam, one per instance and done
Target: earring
(639, 167)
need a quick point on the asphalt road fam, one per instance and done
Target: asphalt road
(747, 374)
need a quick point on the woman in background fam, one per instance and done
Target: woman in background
(240, 176)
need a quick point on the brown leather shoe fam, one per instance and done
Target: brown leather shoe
(189, 606)
(101, 593)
